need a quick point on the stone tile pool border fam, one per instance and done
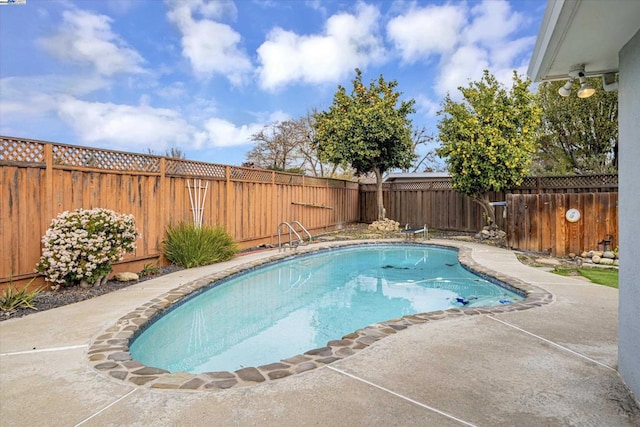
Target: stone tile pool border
(109, 352)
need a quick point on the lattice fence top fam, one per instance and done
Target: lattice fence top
(542, 183)
(336, 183)
(288, 179)
(578, 181)
(250, 174)
(104, 159)
(26, 151)
(315, 182)
(192, 168)
(439, 184)
(20, 150)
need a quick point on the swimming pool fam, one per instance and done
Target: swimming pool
(286, 308)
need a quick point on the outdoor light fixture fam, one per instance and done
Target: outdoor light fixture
(585, 91)
(566, 89)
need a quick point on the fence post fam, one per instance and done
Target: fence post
(227, 199)
(48, 178)
(274, 207)
(164, 197)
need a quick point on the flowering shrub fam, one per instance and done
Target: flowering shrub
(80, 246)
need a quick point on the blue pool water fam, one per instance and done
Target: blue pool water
(278, 311)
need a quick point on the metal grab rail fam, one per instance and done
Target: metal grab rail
(303, 229)
(292, 243)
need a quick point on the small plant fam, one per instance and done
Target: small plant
(149, 269)
(80, 246)
(189, 246)
(12, 299)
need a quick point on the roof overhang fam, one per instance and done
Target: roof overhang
(589, 32)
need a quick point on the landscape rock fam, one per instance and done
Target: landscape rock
(126, 277)
(595, 259)
(606, 261)
(609, 254)
(384, 225)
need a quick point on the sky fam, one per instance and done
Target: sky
(204, 76)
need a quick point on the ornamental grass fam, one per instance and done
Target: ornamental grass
(189, 246)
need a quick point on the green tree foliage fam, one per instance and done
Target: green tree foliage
(577, 136)
(368, 130)
(488, 139)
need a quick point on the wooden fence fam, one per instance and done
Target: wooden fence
(538, 222)
(38, 180)
(432, 201)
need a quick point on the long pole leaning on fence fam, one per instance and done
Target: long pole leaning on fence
(197, 198)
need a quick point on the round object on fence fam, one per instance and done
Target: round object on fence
(573, 215)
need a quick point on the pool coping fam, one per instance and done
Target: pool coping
(109, 354)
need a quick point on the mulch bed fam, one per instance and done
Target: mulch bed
(47, 300)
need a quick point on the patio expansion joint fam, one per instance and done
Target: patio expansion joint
(575, 353)
(106, 407)
(44, 350)
(401, 396)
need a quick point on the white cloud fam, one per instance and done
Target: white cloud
(464, 41)
(32, 96)
(348, 41)
(491, 22)
(426, 106)
(87, 38)
(223, 133)
(466, 64)
(124, 126)
(426, 31)
(506, 54)
(210, 46)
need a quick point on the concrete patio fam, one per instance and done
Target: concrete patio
(550, 365)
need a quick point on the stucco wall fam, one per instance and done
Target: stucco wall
(629, 215)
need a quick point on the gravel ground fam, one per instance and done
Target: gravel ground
(51, 299)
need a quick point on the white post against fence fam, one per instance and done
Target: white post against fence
(197, 198)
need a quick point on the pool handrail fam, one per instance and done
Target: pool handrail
(299, 224)
(292, 243)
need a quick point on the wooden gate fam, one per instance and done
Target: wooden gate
(538, 222)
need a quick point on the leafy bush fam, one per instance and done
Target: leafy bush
(189, 246)
(80, 246)
(12, 299)
(149, 269)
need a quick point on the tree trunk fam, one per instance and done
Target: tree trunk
(381, 211)
(489, 209)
